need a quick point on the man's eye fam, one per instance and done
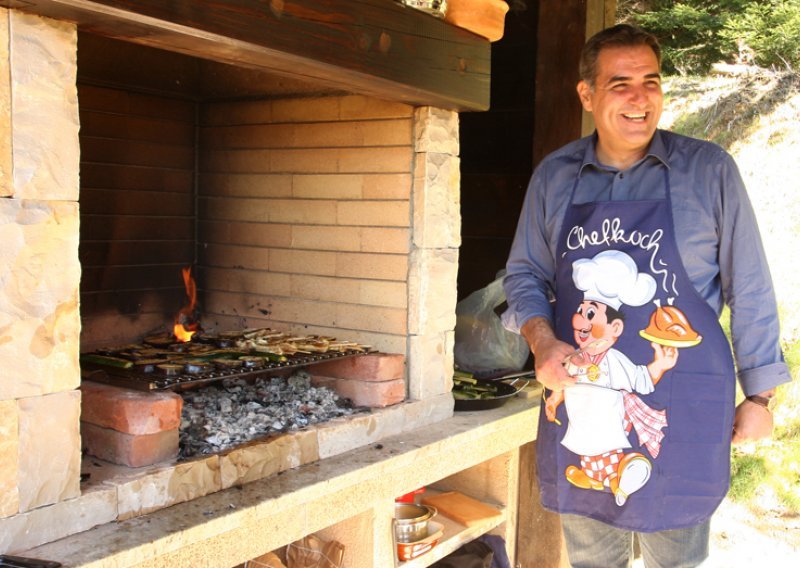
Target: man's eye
(590, 313)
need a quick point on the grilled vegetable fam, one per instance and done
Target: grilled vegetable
(468, 388)
(106, 360)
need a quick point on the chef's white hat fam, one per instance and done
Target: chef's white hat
(612, 278)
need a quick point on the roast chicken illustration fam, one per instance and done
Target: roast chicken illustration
(670, 326)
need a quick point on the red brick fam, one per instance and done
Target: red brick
(373, 394)
(129, 411)
(127, 449)
(370, 367)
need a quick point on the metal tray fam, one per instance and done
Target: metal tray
(505, 391)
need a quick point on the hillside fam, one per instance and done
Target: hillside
(755, 117)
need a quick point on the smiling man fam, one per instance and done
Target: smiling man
(661, 224)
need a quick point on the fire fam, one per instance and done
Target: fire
(185, 323)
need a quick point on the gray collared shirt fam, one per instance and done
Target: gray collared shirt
(715, 228)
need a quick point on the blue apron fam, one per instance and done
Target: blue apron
(642, 441)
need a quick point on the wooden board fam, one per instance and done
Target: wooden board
(461, 508)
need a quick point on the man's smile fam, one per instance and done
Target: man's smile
(635, 116)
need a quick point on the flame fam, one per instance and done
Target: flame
(185, 324)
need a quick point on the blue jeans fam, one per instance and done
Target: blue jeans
(592, 544)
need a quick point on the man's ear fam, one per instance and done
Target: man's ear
(617, 326)
(585, 95)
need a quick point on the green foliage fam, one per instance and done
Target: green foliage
(748, 471)
(695, 34)
(770, 29)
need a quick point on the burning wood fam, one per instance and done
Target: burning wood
(186, 324)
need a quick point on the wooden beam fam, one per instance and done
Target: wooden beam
(557, 113)
(600, 14)
(373, 47)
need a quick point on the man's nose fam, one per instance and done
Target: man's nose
(638, 94)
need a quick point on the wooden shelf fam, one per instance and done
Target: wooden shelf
(455, 535)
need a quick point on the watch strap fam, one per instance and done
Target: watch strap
(761, 401)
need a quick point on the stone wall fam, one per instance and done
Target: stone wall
(39, 269)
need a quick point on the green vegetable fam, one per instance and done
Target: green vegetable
(106, 360)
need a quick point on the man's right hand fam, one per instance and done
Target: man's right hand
(549, 354)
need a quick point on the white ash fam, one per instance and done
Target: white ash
(236, 411)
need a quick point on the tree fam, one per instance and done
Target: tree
(695, 34)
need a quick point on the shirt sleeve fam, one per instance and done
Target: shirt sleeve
(530, 271)
(747, 289)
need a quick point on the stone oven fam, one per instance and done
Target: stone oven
(308, 196)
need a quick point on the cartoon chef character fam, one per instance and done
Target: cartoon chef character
(601, 406)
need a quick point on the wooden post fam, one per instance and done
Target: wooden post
(557, 110)
(600, 14)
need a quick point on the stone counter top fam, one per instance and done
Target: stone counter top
(240, 523)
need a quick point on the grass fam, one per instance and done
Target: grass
(755, 118)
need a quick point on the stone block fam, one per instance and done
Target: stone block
(45, 121)
(39, 280)
(49, 449)
(372, 394)
(432, 291)
(130, 411)
(436, 130)
(431, 363)
(9, 458)
(420, 413)
(168, 486)
(47, 524)
(129, 449)
(368, 367)
(437, 201)
(262, 459)
(344, 434)
(6, 181)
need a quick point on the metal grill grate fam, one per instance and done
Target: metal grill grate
(155, 380)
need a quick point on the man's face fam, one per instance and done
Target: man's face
(626, 103)
(590, 323)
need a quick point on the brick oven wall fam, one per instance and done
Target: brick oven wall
(305, 215)
(335, 215)
(39, 268)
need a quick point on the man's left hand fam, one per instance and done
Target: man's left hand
(751, 422)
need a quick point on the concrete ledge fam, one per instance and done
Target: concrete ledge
(235, 525)
(139, 491)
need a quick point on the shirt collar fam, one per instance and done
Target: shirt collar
(656, 150)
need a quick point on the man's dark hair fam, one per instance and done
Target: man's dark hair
(621, 35)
